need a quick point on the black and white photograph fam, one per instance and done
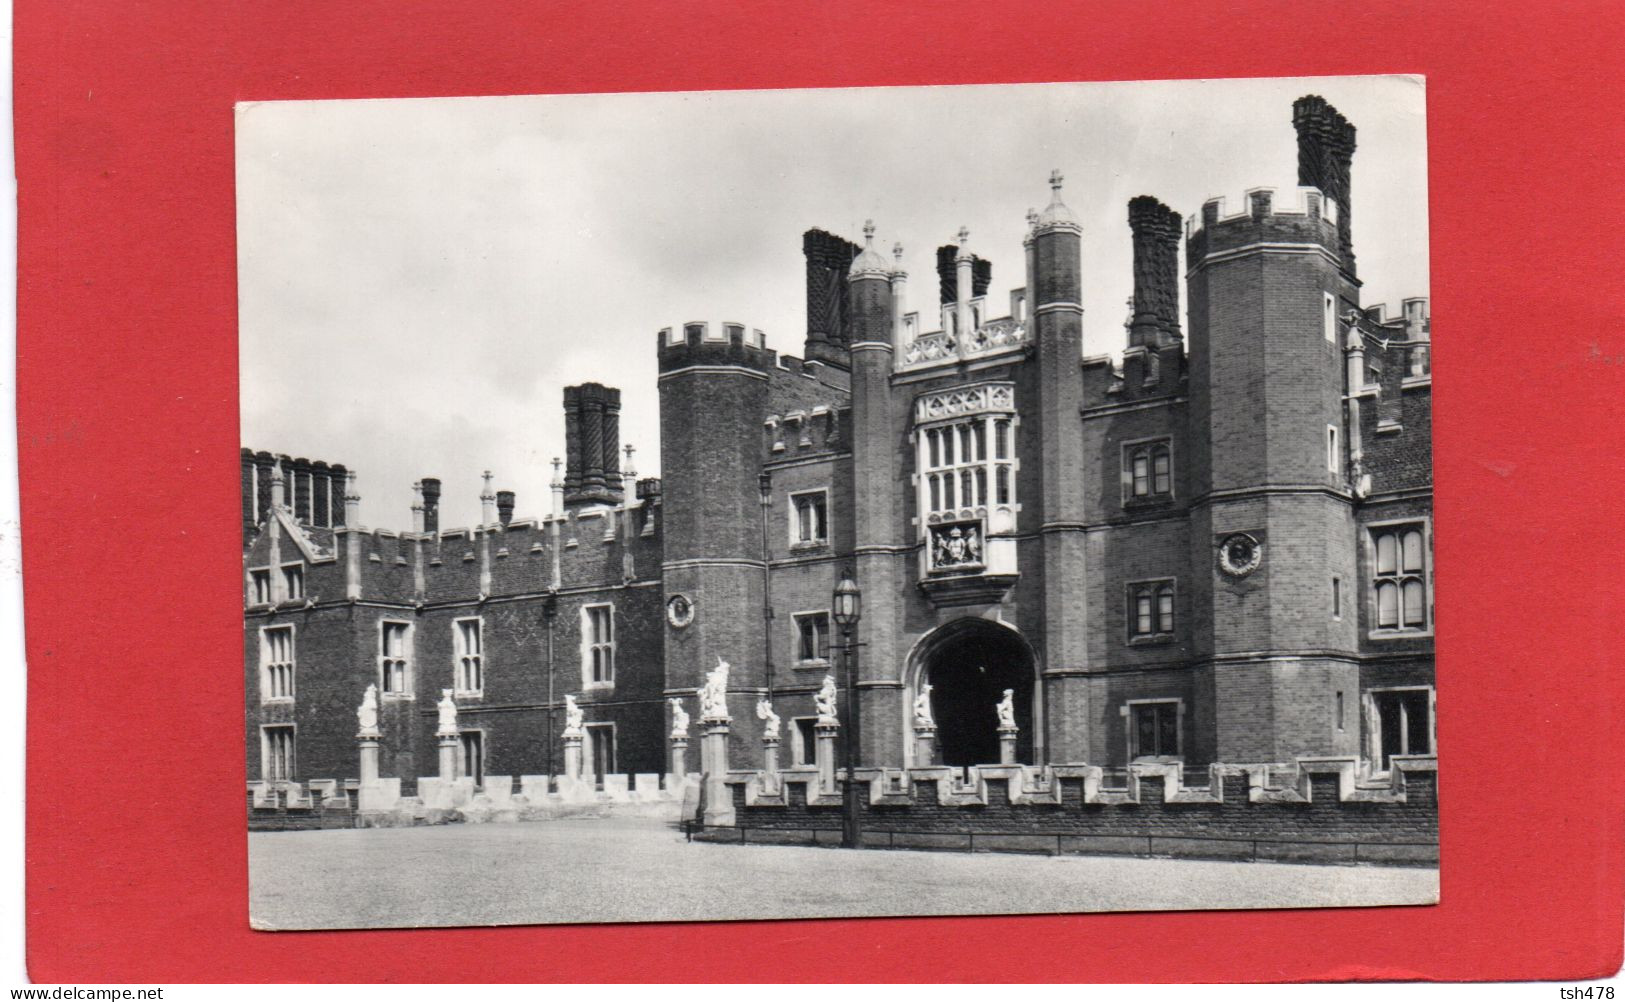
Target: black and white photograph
(956, 500)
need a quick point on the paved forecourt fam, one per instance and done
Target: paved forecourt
(643, 871)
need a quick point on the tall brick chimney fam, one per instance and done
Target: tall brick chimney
(828, 259)
(431, 504)
(948, 278)
(592, 443)
(1156, 273)
(505, 506)
(1325, 158)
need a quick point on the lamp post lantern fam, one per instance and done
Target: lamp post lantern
(847, 607)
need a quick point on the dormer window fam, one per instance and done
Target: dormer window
(259, 584)
(293, 578)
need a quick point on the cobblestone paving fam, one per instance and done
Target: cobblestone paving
(644, 871)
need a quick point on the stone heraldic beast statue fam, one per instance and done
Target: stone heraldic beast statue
(367, 713)
(764, 712)
(824, 701)
(448, 713)
(923, 721)
(714, 695)
(679, 719)
(572, 718)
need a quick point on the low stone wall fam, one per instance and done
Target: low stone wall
(1320, 810)
(330, 804)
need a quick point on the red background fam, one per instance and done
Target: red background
(127, 416)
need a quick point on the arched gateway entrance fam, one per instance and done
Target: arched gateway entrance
(969, 663)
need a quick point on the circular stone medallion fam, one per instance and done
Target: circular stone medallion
(679, 611)
(1240, 555)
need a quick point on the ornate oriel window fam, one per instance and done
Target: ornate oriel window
(965, 454)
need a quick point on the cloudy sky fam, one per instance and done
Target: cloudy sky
(419, 279)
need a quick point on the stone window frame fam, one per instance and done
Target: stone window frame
(1370, 741)
(801, 754)
(794, 512)
(795, 638)
(408, 673)
(1130, 451)
(293, 571)
(255, 576)
(590, 646)
(292, 730)
(1328, 317)
(1127, 711)
(589, 763)
(1334, 450)
(1337, 597)
(267, 665)
(462, 754)
(1370, 532)
(1155, 587)
(462, 659)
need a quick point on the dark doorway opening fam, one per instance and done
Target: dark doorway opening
(969, 665)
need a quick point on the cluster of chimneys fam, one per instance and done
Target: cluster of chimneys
(1325, 155)
(314, 490)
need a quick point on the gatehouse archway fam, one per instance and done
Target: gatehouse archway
(969, 663)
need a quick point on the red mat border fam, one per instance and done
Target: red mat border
(127, 419)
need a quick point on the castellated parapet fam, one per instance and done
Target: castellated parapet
(1262, 217)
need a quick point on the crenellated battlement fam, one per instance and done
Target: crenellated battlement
(1145, 373)
(1313, 809)
(1262, 216)
(710, 343)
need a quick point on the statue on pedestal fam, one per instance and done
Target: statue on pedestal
(764, 711)
(448, 712)
(922, 709)
(367, 713)
(679, 719)
(824, 702)
(572, 717)
(1007, 710)
(714, 694)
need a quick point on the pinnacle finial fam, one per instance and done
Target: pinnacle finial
(964, 234)
(1055, 179)
(1032, 217)
(897, 252)
(868, 230)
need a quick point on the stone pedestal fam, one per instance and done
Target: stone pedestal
(770, 755)
(369, 757)
(719, 806)
(1007, 745)
(678, 762)
(925, 746)
(448, 757)
(572, 756)
(824, 754)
